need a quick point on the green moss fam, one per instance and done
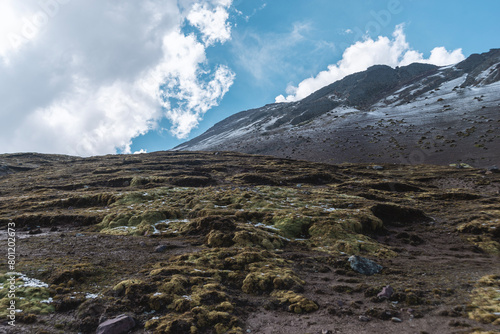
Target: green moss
(181, 305)
(296, 303)
(31, 297)
(74, 273)
(334, 236)
(172, 324)
(266, 279)
(251, 237)
(208, 294)
(485, 303)
(130, 223)
(176, 285)
(120, 288)
(159, 301)
(292, 225)
(225, 307)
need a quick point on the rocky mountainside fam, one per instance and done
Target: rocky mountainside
(214, 243)
(413, 114)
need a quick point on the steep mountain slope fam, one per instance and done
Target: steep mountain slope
(414, 114)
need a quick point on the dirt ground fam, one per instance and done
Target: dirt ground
(436, 238)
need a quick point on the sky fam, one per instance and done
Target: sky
(94, 77)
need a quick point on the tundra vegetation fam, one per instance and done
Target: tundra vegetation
(209, 242)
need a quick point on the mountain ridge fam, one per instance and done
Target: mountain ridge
(329, 124)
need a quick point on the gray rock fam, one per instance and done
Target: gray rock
(161, 249)
(37, 231)
(376, 167)
(494, 169)
(119, 325)
(394, 319)
(386, 292)
(364, 266)
(364, 318)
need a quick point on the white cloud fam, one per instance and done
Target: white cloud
(394, 51)
(186, 98)
(86, 79)
(212, 23)
(262, 54)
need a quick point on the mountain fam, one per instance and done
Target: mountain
(413, 114)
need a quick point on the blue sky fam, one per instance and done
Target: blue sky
(99, 76)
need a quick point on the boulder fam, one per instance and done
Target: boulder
(119, 325)
(386, 292)
(160, 248)
(364, 266)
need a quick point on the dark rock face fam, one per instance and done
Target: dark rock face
(364, 266)
(413, 114)
(119, 325)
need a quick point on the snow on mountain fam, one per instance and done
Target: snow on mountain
(418, 113)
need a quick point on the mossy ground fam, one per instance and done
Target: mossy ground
(486, 300)
(242, 234)
(31, 296)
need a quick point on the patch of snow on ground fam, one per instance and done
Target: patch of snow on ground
(91, 295)
(486, 73)
(448, 86)
(31, 282)
(167, 222)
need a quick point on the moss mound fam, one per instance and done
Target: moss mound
(295, 303)
(31, 295)
(486, 300)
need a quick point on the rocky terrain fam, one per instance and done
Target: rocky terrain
(200, 242)
(412, 115)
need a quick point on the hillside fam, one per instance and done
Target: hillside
(199, 242)
(414, 114)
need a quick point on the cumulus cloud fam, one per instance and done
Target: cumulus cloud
(86, 77)
(394, 51)
(212, 23)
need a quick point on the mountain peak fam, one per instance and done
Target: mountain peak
(410, 114)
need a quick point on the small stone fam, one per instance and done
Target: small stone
(161, 249)
(364, 266)
(326, 331)
(394, 319)
(142, 244)
(386, 292)
(80, 235)
(494, 169)
(119, 325)
(376, 167)
(37, 231)
(364, 318)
